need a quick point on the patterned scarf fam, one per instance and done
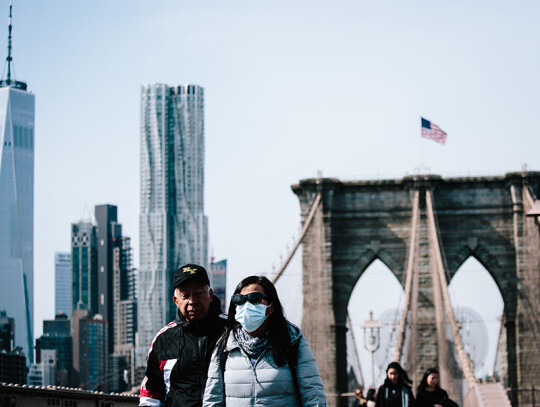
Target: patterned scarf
(252, 345)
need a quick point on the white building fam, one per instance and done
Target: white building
(43, 373)
(173, 227)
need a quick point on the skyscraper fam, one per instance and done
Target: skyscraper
(173, 227)
(218, 278)
(84, 267)
(125, 318)
(12, 360)
(7, 332)
(57, 336)
(94, 352)
(109, 237)
(62, 283)
(17, 205)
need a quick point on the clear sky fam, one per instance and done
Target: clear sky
(292, 88)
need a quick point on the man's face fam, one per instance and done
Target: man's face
(193, 299)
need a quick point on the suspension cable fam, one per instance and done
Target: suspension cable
(307, 223)
(464, 359)
(400, 340)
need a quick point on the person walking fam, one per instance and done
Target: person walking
(370, 397)
(359, 400)
(429, 393)
(180, 353)
(262, 359)
(396, 390)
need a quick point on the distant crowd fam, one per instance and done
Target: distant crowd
(396, 391)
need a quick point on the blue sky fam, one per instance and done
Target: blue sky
(292, 88)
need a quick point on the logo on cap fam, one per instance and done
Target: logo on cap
(189, 270)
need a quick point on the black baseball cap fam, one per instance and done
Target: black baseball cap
(188, 271)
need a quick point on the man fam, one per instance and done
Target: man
(359, 400)
(180, 353)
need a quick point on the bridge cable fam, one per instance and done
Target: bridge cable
(498, 348)
(307, 223)
(355, 348)
(464, 358)
(400, 340)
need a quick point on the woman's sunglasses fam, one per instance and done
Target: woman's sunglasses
(254, 298)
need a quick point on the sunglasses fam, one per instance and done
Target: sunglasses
(254, 298)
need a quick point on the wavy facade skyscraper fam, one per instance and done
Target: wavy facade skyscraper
(173, 227)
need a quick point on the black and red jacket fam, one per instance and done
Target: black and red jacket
(178, 360)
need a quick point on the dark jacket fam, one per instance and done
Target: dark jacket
(359, 402)
(426, 398)
(390, 395)
(178, 360)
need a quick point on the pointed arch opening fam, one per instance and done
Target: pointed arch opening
(377, 291)
(478, 306)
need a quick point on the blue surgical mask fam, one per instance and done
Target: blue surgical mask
(251, 316)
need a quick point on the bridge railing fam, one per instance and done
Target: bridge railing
(15, 395)
(529, 396)
(473, 398)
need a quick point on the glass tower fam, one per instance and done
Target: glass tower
(17, 210)
(62, 283)
(173, 227)
(84, 284)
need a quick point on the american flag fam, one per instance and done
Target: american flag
(433, 132)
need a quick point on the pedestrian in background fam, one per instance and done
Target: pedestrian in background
(370, 397)
(262, 359)
(396, 390)
(429, 393)
(359, 400)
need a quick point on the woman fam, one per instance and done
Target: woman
(370, 397)
(429, 393)
(262, 359)
(396, 390)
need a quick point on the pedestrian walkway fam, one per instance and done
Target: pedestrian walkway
(493, 395)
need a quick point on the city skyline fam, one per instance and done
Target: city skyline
(281, 80)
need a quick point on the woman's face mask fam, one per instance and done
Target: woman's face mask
(251, 316)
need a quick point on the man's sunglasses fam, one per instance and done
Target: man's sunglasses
(254, 298)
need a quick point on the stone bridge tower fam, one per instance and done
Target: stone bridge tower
(359, 221)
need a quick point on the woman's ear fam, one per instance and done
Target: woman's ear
(270, 310)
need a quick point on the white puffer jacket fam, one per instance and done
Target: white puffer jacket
(264, 383)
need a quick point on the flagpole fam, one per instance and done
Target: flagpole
(421, 168)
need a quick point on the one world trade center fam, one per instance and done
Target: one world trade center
(17, 206)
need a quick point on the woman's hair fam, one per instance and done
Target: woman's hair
(423, 384)
(403, 378)
(371, 394)
(278, 333)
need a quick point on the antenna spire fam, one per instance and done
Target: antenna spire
(9, 58)
(8, 81)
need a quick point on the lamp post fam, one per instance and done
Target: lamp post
(372, 341)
